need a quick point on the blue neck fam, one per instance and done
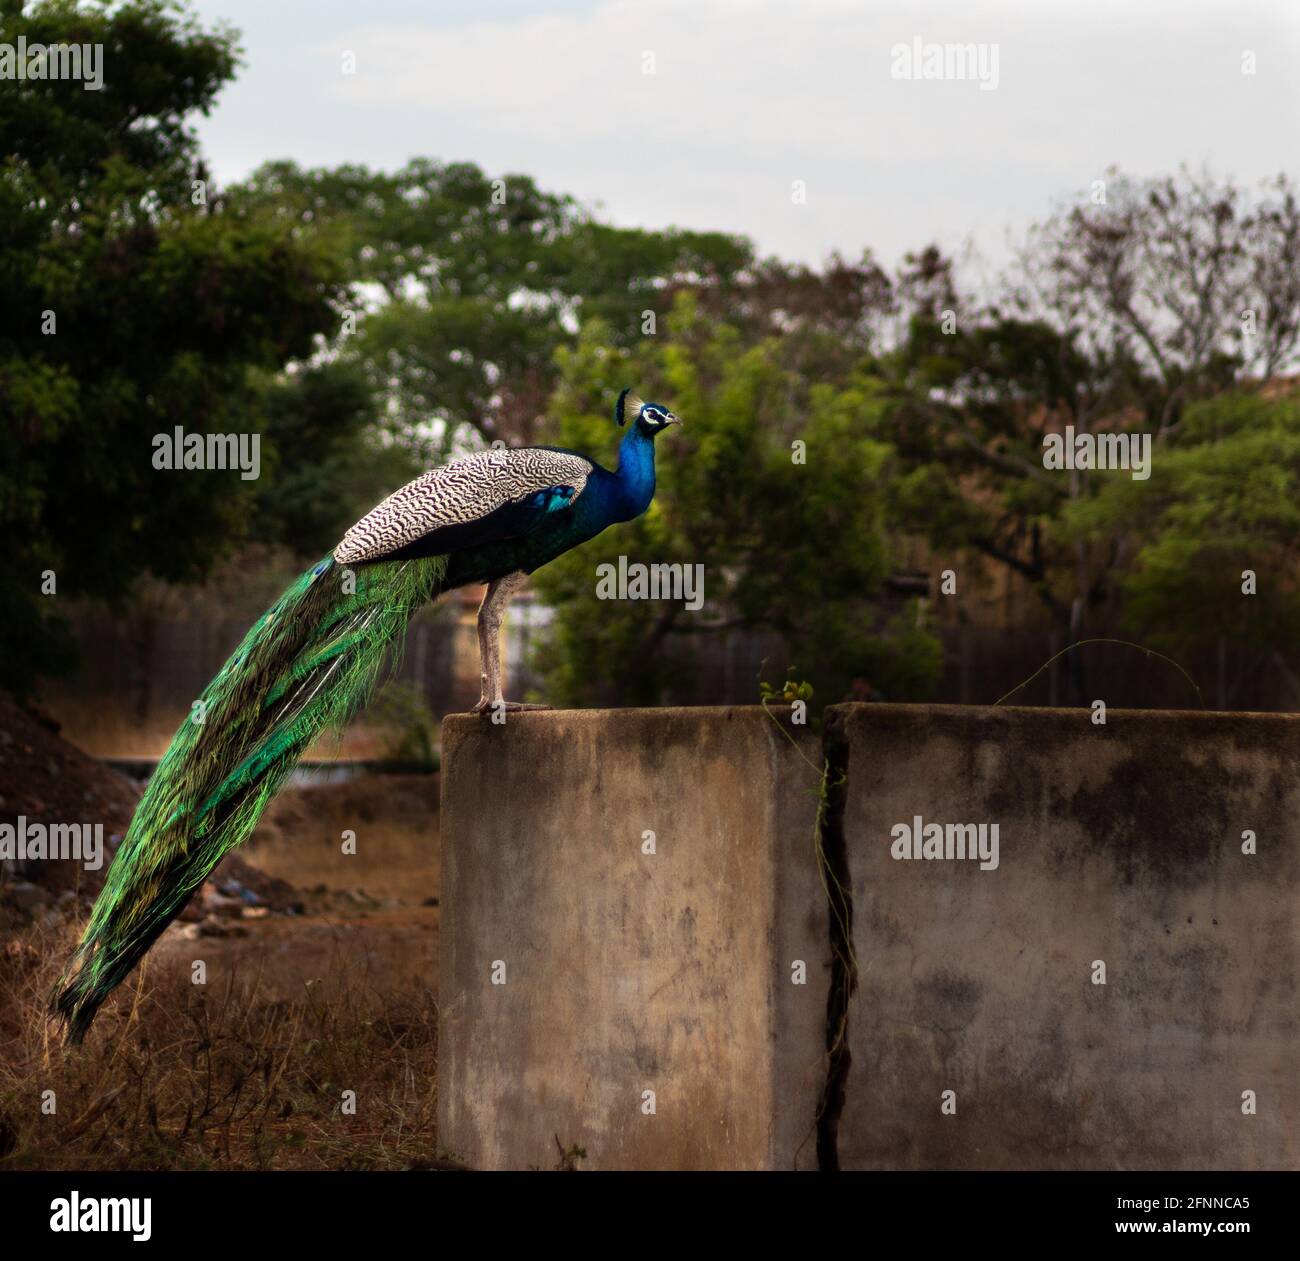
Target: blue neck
(636, 472)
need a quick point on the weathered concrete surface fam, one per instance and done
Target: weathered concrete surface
(627, 972)
(1120, 843)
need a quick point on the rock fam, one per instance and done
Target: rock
(219, 905)
(231, 888)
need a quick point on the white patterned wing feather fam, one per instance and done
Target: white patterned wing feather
(459, 493)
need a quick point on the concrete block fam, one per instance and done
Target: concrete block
(579, 971)
(1119, 844)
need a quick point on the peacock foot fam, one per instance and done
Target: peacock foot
(506, 707)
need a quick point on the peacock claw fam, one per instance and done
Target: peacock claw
(508, 707)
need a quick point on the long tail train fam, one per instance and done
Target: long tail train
(308, 664)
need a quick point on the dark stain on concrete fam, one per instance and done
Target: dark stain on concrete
(947, 998)
(1157, 813)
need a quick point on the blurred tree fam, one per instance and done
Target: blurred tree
(330, 461)
(129, 309)
(968, 412)
(465, 285)
(791, 538)
(1126, 313)
(1227, 500)
(1185, 277)
(826, 322)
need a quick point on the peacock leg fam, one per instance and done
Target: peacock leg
(490, 613)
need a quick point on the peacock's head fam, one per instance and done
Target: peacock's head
(649, 418)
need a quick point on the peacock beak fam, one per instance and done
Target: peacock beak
(670, 419)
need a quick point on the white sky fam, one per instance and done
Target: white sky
(750, 95)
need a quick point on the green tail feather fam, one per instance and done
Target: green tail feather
(308, 664)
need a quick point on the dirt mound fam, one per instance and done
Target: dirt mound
(45, 779)
(44, 776)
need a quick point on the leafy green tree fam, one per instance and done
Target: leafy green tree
(464, 286)
(1226, 501)
(791, 537)
(136, 300)
(329, 461)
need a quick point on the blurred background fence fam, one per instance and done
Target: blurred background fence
(138, 679)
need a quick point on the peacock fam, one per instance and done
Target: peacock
(313, 658)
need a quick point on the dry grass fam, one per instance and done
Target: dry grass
(395, 821)
(176, 1076)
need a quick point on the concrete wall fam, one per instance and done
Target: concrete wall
(626, 972)
(1120, 843)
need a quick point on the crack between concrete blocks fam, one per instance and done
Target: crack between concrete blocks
(833, 858)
